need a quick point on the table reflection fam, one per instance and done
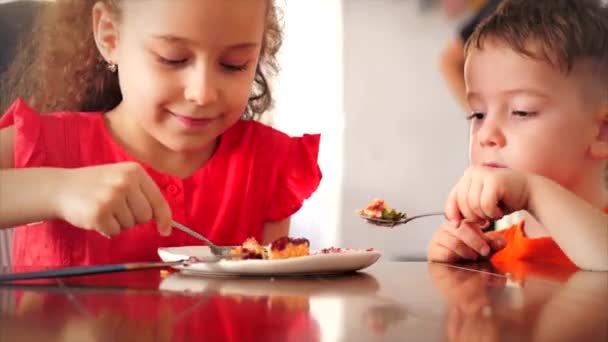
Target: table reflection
(391, 301)
(487, 306)
(125, 307)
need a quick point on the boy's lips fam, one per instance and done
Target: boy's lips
(495, 165)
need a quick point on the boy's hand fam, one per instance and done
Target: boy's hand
(467, 242)
(111, 198)
(487, 193)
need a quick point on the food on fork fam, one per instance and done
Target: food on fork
(378, 209)
(282, 248)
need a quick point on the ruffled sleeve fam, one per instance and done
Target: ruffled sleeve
(299, 177)
(27, 123)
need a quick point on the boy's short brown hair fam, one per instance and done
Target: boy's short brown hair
(564, 32)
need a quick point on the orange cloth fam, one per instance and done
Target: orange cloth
(523, 255)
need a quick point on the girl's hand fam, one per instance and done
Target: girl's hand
(487, 193)
(466, 242)
(111, 198)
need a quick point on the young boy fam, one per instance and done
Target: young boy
(536, 75)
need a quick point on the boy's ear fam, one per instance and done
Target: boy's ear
(105, 31)
(599, 148)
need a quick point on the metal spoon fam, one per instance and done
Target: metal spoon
(487, 227)
(392, 223)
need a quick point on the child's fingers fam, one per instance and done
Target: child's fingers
(452, 213)
(162, 214)
(160, 208)
(455, 245)
(446, 247)
(463, 198)
(124, 216)
(496, 241)
(474, 200)
(439, 253)
(140, 206)
(489, 202)
(478, 225)
(473, 238)
(497, 244)
(109, 227)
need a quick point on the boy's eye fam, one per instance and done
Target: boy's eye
(234, 67)
(476, 116)
(522, 113)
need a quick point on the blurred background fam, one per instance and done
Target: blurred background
(369, 75)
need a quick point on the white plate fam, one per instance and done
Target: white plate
(342, 262)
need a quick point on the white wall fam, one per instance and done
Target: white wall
(365, 75)
(405, 136)
(309, 100)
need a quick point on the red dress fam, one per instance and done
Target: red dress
(256, 175)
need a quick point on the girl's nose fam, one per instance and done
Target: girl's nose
(202, 88)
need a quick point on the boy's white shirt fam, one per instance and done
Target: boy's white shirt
(509, 220)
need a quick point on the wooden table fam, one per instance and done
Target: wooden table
(390, 301)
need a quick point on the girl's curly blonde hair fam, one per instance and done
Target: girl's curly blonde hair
(58, 67)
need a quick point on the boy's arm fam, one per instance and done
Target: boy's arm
(580, 229)
(25, 194)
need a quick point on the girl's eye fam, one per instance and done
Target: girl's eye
(234, 67)
(476, 116)
(171, 61)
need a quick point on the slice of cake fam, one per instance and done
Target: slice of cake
(287, 247)
(282, 248)
(251, 249)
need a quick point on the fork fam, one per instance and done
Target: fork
(392, 223)
(219, 251)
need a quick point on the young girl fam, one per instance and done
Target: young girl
(151, 104)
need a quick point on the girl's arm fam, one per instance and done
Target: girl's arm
(26, 194)
(275, 230)
(580, 229)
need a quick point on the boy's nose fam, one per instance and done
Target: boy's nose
(490, 134)
(202, 89)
